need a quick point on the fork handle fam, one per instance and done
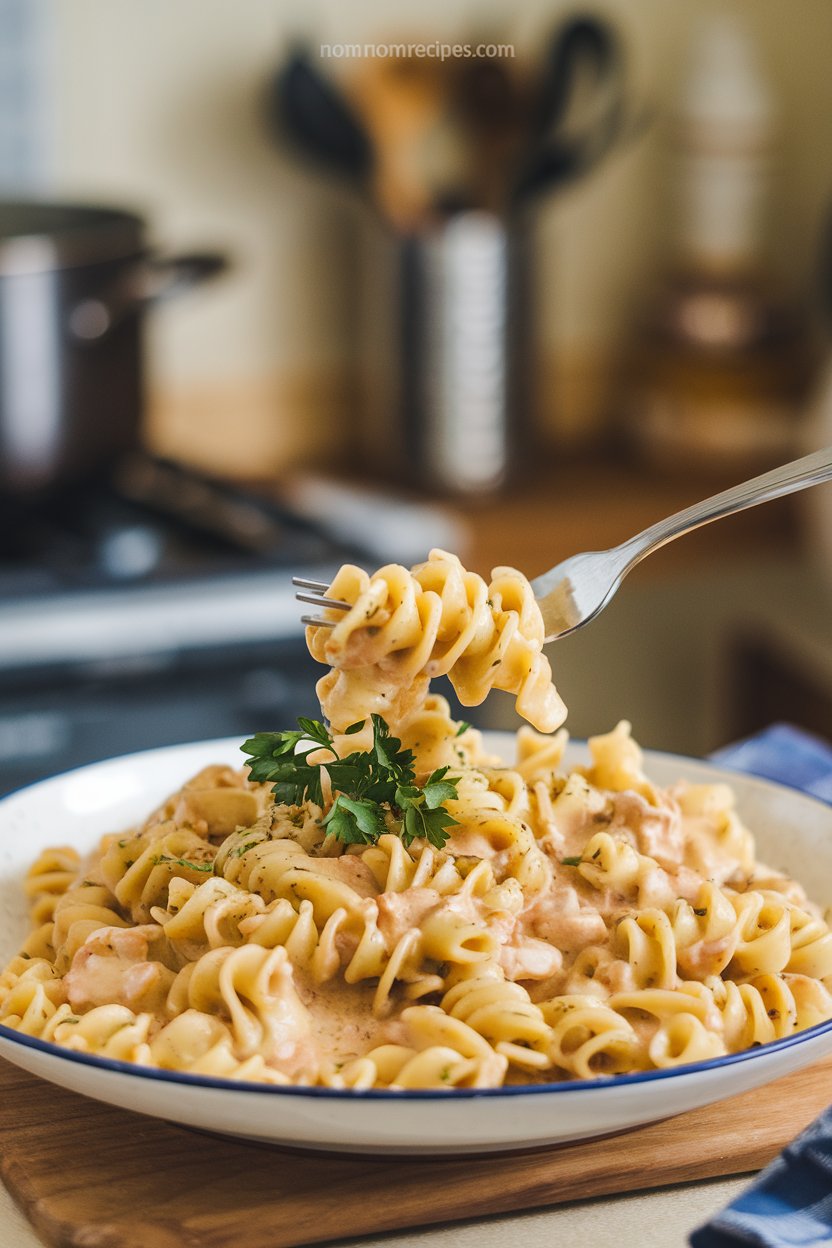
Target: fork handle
(787, 479)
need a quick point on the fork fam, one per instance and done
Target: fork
(576, 590)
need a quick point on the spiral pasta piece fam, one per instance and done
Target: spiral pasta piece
(681, 1040)
(252, 988)
(539, 754)
(705, 931)
(395, 869)
(34, 1001)
(282, 868)
(645, 940)
(201, 1044)
(713, 805)
(404, 628)
(436, 739)
(395, 1066)
(213, 803)
(618, 763)
(49, 877)
(504, 1014)
(607, 862)
(199, 917)
(811, 945)
(429, 1027)
(589, 1038)
(139, 870)
(767, 1007)
(106, 1031)
(764, 940)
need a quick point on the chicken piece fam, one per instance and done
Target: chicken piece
(113, 966)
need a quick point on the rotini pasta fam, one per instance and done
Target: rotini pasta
(404, 628)
(562, 926)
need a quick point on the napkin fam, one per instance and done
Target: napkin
(786, 754)
(789, 1205)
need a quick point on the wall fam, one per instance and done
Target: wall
(162, 104)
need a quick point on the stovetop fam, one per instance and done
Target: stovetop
(154, 560)
(147, 609)
(151, 523)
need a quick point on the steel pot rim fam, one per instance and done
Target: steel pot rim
(40, 236)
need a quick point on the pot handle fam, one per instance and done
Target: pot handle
(150, 281)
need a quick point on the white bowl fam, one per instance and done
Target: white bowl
(793, 832)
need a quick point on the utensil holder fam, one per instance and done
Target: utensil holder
(448, 408)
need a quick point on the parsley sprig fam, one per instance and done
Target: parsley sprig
(375, 790)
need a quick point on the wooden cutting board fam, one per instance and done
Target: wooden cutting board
(88, 1174)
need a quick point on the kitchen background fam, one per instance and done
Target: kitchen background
(657, 305)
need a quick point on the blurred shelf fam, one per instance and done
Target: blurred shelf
(780, 661)
(594, 505)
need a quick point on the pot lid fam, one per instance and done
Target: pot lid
(38, 235)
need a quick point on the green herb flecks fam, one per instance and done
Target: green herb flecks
(374, 791)
(243, 849)
(159, 859)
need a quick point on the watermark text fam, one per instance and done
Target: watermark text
(433, 51)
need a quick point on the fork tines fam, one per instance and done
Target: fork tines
(319, 586)
(318, 598)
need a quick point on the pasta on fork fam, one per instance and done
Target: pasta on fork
(377, 902)
(406, 628)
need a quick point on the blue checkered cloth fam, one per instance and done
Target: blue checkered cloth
(786, 754)
(789, 1205)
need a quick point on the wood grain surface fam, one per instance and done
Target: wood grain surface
(90, 1175)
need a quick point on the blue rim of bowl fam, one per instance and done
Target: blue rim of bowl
(410, 1094)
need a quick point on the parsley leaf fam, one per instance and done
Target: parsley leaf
(373, 790)
(571, 862)
(283, 758)
(419, 821)
(355, 821)
(437, 789)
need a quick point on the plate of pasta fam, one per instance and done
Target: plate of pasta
(383, 931)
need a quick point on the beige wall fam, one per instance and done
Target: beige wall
(160, 105)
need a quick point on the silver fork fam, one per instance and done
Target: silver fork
(576, 590)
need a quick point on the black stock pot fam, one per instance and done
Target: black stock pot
(75, 282)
